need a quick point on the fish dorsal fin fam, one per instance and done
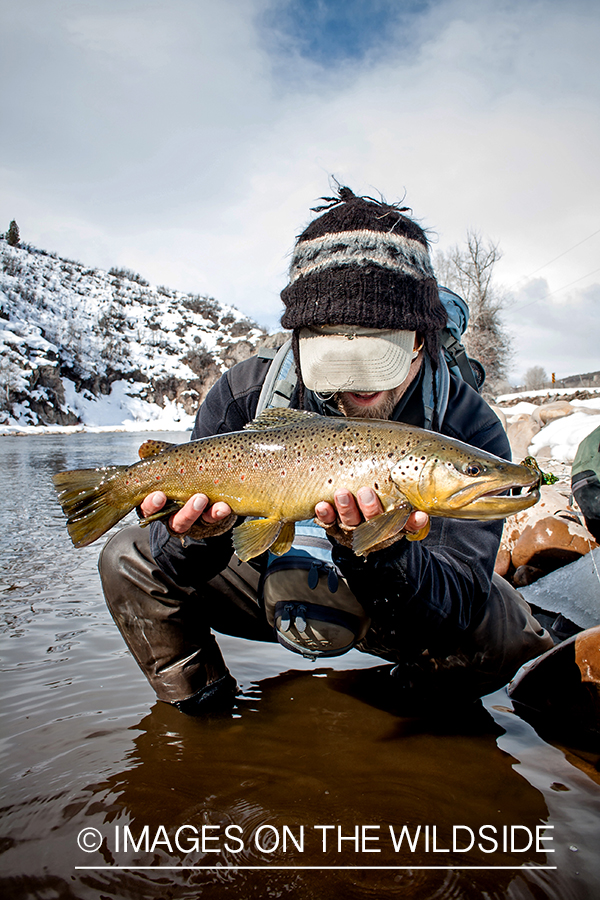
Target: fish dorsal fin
(153, 448)
(274, 418)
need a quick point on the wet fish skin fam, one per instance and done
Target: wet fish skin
(286, 461)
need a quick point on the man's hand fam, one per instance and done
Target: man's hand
(351, 510)
(196, 507)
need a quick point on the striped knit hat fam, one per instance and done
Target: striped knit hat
(363, 263)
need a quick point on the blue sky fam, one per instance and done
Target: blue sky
(330, 32)
(188, 139)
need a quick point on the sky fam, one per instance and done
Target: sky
(188, 140)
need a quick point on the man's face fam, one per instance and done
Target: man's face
(379, 405)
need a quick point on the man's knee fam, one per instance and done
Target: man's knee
(118, 548)
(508, 636)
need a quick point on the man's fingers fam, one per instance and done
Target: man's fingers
(153, 502)
(183, 519)
(416, 521)
(188, 515)
(369, 503)
(347, 508)
(325, 513)
(216, 513)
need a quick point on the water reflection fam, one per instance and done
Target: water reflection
(86, 745)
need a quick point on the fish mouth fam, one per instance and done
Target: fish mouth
(497, 502)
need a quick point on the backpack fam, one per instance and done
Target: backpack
(304, 595)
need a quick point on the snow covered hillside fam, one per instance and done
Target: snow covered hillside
(80, 345)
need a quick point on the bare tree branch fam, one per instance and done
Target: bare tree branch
(469, 271)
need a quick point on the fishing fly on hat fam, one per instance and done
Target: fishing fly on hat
(361, 285)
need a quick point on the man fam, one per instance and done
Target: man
(364, 310)
(585, 481)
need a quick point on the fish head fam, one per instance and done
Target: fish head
(454, 480)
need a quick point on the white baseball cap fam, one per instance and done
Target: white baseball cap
(351, 358)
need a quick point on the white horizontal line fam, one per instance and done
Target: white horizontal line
(320, 868)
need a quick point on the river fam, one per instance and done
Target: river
(309, 789)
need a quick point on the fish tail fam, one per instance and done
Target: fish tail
(92, 500)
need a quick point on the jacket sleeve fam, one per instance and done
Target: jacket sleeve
(430, 593)
(229, 405)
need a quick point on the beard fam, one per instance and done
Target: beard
(385, 405)
(383, 409)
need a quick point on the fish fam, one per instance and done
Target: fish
(285, 461)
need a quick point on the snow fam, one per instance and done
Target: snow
(545, 392)
(519, 409)
(563, 436)
(106, 328)
(122, 408)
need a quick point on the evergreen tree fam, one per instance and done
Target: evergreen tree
(12, 235)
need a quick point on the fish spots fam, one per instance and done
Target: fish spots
(242, 477)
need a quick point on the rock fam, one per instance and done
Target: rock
(525, 575)
(503, 561)
(559, 692)
(549, 535)
(550, 543)
(500, 413)
(552, 499)
(548, 412)
(520, 434)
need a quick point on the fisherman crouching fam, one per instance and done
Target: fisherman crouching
(365, 316)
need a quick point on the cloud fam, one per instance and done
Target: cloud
(553, 330)
(188, 139)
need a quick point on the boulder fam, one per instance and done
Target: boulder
(520, 434)
(548, 412)
(539, 540)
(559, 692)
(551, 542)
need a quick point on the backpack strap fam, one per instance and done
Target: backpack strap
(435, 401)
(281, 379)
(458, 355)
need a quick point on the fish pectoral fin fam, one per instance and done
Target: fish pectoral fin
(381, 528)
(252, 538)
(285, 539)
(153, 448)
(419, 535)
(170, 507)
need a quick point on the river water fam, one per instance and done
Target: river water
(304, 790)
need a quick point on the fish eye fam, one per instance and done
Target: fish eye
(472, 468)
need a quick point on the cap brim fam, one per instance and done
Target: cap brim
(357, 360)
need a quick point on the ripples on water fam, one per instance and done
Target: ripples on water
(86, 745)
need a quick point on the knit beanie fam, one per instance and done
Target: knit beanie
(362, 262)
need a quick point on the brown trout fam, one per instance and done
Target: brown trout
(286, 461)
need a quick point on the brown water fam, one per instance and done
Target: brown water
(86, 746)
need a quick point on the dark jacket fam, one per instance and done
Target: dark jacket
(419, 594)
